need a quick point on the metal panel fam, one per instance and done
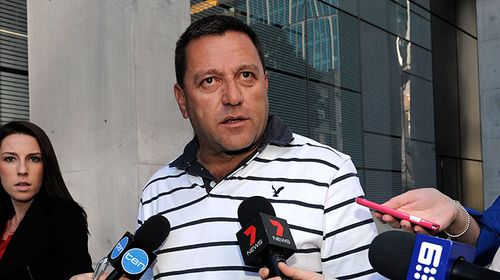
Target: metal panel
(14, 98)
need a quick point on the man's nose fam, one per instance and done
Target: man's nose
(232, 94)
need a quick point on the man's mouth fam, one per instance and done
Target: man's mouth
(231, 120)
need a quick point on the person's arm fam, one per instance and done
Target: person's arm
(463, 228)
(489, 239)
(83, 276)
(88, 276)
(430, 204)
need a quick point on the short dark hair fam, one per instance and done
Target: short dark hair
(52, 180)
(210, 25)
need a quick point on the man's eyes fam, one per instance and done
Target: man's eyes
(247, 74)
(208, 80)
(213, 81)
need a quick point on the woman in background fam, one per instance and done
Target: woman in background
(44, 231)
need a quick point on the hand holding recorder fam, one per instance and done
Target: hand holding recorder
(431, 204)
(402, 216)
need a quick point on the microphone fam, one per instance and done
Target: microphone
(263, 239)
(402, 255)
(114, 256)
(132, 255)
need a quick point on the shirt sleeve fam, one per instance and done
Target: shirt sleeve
(140, 215)
(488, 241)
(148, 275)
(348, 229)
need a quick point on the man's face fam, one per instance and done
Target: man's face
(225, 92)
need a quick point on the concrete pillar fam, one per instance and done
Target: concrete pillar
(101, 77)
(488, 35)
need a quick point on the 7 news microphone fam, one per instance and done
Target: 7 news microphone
(403, 255)
(264, 239)
(132, 255)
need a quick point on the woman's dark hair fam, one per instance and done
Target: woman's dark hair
(52, 181)
(210, 25)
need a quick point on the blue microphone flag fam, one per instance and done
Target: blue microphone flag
(433, 257)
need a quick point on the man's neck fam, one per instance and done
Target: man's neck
(222, 163)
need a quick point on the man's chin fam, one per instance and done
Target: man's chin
(235, 152)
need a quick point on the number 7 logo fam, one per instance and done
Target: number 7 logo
(279, 227)
(252, 232)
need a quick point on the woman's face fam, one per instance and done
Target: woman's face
(21, 167)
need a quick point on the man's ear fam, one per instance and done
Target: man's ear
(181, 100)
(266, 78)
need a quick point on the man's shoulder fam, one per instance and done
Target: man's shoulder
(316, 149)
(166, 170)
(163, 175)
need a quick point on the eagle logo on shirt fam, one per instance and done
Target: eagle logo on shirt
(277, 191)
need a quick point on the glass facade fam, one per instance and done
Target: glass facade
(355, 75)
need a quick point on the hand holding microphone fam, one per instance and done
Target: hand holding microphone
(132, 255)
(264, 239)
(293, 273)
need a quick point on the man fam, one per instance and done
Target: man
(240, 151)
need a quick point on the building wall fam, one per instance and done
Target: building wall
(488, 33)
(101, 86)
(456, 106)
(466, 42)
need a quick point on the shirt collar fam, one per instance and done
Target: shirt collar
(276, 133)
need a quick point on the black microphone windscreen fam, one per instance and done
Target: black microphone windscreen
(390, 253)
(153, 232)
(251, 207)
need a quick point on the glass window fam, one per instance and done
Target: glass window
(355, 75)
(14, 101)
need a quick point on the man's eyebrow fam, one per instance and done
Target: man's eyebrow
(253, 67)
(200, 74)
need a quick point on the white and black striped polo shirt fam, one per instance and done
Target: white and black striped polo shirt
(310, 185)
